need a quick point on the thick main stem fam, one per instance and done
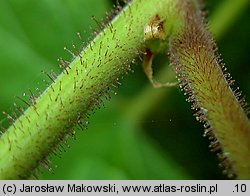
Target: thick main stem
(78, 90)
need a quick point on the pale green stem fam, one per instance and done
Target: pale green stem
(79, 89)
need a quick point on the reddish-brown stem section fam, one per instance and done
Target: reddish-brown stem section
(202, 77)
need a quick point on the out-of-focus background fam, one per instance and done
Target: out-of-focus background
(142, 133)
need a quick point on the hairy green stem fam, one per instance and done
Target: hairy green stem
(220, 108)
(79, 89)
(146, 105)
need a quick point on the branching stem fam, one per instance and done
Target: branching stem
(79, 89)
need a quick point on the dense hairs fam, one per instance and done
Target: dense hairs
(203, 78)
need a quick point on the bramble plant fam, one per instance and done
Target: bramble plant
(142, 29)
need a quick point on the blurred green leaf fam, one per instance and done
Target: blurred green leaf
(33, 35)
(115, 148)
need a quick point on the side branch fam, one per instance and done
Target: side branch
(201, 76)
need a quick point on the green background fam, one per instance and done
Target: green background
(142, 133)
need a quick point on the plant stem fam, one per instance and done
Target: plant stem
(218, 106)
(148, 95)
(79, 89)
